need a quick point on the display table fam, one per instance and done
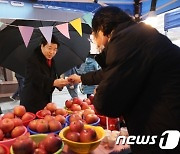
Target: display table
(101, 149)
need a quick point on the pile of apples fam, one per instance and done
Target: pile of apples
(88, 116)
(77, 104)
(46, 125)
(20, 113)
(11, 128)
(25, 145)
(53, 110)
(78, 133)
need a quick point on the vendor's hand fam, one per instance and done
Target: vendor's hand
(74, 79)
(60, 83)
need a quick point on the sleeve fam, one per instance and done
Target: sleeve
(122, 82)
(37, 78)
(92, 78)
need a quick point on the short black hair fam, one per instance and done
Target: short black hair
(54, 40)
(108, 18)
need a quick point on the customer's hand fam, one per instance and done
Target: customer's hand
(74, 79)
(60, 83)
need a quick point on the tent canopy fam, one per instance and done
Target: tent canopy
(67, 10)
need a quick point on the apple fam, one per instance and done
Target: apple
(19, 110)
(40, 151)
(48, 118)
(68, 103)
(32, 125)
(41, 144)
(88, 135)
(45, 112)
(42, 126)
(88, 111)
(91, 97)
(17, 131)
(73, 136)
(87, 100)
(1, 135)
(2, 150)
(17, 122)
(74, 117)
(75, 107)
(76, 126)
(91, 118)
(9, 115)
(7, 125)
(55, 126)
(92, 107)
(52, 143)
(61, 111)
(84, 106)
(61, 119)
(27, 116)
(77, 100)
(23, 145)
(51, 107)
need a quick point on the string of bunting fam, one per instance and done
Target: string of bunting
(26, 31)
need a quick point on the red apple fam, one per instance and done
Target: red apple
(2, 150)
(17, 122)
(48, 118)
(68, 103)
(88, 135)
(32, 125)
(17, 131)
(87, 100)
(73, 136)
(19, 110)
(7, 125)
(77, 100)
(61, 112)
(1, 135)
(84, 106)
(23, 145)
(74, 117)
(91, 118)
(27, 117)
(45, 112)
(88, 111)
(61, 119)
(75, 107)
(42, 126)
(92, 107)
(52, 143)
(9, 115)
(51, 107)
(40, 151)
(91, 97)
(76, 126)
(55, 126)
(41, 145)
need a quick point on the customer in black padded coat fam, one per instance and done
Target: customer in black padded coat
(140, 77)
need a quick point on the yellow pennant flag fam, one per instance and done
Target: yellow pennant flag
(77, 25)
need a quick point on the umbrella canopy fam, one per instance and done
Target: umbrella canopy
(14, 53)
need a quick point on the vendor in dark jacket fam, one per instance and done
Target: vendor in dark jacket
(41, 77)
(140, 78)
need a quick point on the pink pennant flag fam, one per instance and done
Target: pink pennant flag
(64, 29)
(26, 33)
(47, 32)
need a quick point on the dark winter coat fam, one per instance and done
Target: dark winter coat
(38, 85)
(141, 81)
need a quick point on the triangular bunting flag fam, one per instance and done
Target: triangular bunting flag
(47, 32)
(88, 19)
(77, 25)
(26, 33)
(1, 23)
(64, 29)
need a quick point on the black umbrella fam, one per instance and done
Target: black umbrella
(14, 54)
